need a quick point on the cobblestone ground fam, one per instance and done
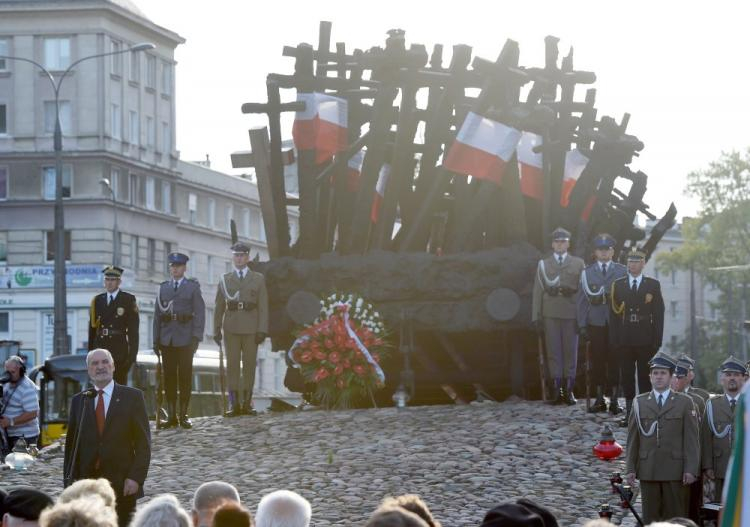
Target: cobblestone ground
(462, 460)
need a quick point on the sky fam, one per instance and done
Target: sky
(678, 69)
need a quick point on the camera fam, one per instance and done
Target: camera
(5, 377)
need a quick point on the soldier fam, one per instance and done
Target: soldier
(663, 445)
(113, 323)
(178, 328)
(716, 433)
(691, 376)
(242, 312)
(593, 321)
(554, 313)
(637, 325)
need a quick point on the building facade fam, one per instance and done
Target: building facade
(128, 198)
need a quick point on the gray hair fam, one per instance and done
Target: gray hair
(106, 351)
(82, 512)
(283, 508)
(87, 487)
(15, 359)
(162, 511)
(212, 494)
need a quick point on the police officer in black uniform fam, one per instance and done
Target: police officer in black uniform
(636, 325)
(113, 323)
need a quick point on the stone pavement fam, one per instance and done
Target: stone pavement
(462, 460)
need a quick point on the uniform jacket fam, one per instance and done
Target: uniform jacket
(715, 452)
(123, 450)
(637, 319)
(547, 305)
(675, 450)
(122, 317)
(187, 301)
(700, 392)
(594, 311)
(700, 404)
(252, 292)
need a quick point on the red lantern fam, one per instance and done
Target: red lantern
(607, 448)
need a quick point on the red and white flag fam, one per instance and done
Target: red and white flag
(482, 148)
(354, 171)
(530, 168)
(321, 126)
(575, 164)
(377, 199)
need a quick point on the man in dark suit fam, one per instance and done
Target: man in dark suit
(113, 323)
(108, 435)
(636, 325)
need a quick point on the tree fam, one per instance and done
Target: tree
(719, 237)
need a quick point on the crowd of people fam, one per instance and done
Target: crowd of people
(92, 503)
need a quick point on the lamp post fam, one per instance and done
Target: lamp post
(60, 342)
(108, 185)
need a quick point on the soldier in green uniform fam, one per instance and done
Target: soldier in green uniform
(691, 377)
(716, 433)
(663, 449)
(241, 317)
(113, 323)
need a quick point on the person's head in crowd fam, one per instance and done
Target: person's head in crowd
(283, 508)
(232, 514)
(412, 503)
(208, 497)
(394, 517)
(670, 523)
(21, 506)
(523, 513)
(684, 522)
(162, 511)
(82, 512)
(86, 487)
(599, 522)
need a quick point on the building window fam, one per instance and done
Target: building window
(167, 252)
(229, 215)
(50, 117)
(192, 207)
(5, 323)
(150, 193)
(48, 183)
(3, 51)
(133, 189)
(116, 122)
(151, 254)
(3, 247)
(674, 277)
(117, 59)
(166, 197)
(262, 229)
(211, 220)
(210, 267)
(150, 132)
(166, 137)
(3, 183)
(3, 119)
(150, 71)
(135, 66)
(673, 309)
(114, 183)
(134, 128)
(166, 78)
(56, 53)
(134, 252)
(51, 246)
(246, 222)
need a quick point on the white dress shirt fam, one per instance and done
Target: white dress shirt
(112, 295)
(664, 394)
(638, 279)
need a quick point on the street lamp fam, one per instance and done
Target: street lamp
(115, 243)
(60, 345)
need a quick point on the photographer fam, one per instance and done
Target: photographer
(19, 416)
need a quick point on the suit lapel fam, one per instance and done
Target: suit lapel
(723, 406)
(114, 404)
(651, 403)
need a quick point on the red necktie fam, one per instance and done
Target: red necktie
(100, 412)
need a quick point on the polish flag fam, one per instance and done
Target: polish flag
(377, 200)
(530, 166)
(354, 171)
(575, 163)
(482, 148)
(321, 126)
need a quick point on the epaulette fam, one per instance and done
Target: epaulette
(165, 282)
(620, 279)
(192, 279)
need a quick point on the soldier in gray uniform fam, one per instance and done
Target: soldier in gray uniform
(242, 312)
(554, 313)
(179, 319)
(592, 304)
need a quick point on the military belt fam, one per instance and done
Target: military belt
(106, 332)
(179, 317)
(240, 306)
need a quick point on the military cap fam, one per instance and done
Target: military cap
(177, 258)
(662, 360)
(113, 271)
(604, 241)
(240, 248)
(683, 368)
(560, 234)
(689, 360)
(26, 503)
(636, 255)
(733, 364)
